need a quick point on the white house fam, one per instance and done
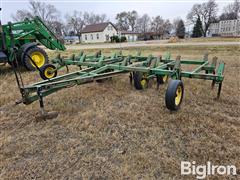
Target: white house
(101, 32)
(130, 36)
(229, 28)
(225, 28)
(214, 29)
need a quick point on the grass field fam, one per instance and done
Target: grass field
(111, 131)
(214, 39)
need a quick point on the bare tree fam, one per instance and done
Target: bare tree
(126, 20)
(207, 12)
(231, 11)
(161, 26)
(175, 23)
(122, 21)
(132, 19)
(75, 23)
(58, 28)
(167, 27)
(21, 15)
(47, 12)
(157, 24)
(91, 18)
(144, 23)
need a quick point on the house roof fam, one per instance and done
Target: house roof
(96, 27)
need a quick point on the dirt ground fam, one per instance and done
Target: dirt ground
(112, 131)
(162, 43)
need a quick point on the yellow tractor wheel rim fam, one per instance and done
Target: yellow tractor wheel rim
(38, 58)
(165, 78)
(178, 95)
(49, 72)
(144, 83)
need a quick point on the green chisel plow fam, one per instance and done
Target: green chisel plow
(141, 69)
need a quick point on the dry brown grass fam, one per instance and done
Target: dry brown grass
(111, 131)
(214, 39)
(174, 40)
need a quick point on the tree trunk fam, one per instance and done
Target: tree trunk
(205, 33)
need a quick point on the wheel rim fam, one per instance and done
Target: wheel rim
(49, 72)
(38, 59)
(165, 78)
(178, 95)
(143, 83)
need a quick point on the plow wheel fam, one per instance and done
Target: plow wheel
(48, 71)
(174, 95)
(161, 80)
(140, 80)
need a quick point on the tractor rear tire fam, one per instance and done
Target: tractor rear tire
(38, 55)
(174, 95)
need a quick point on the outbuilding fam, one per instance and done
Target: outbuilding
(130, 36)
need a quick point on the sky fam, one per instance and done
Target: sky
(168, 9)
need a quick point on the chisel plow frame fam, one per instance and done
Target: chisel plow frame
(141, 69)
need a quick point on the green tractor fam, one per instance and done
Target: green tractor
(21, 41)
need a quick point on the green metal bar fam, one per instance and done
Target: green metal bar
(199, 68)
(220, 71)
(26, 34)
(201, 76)
(50, 88)
(62, 77)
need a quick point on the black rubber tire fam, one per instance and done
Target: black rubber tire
(27, 62)
(171, 94)
(43, 70)
(137, 78)
(160, 79)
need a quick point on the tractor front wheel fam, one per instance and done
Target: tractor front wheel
(38, 55)
(174, 95)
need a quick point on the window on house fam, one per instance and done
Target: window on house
(85, 37)
(97, 36)
(107, 37)
(91, 36)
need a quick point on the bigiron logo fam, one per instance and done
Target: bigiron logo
(202, 171)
